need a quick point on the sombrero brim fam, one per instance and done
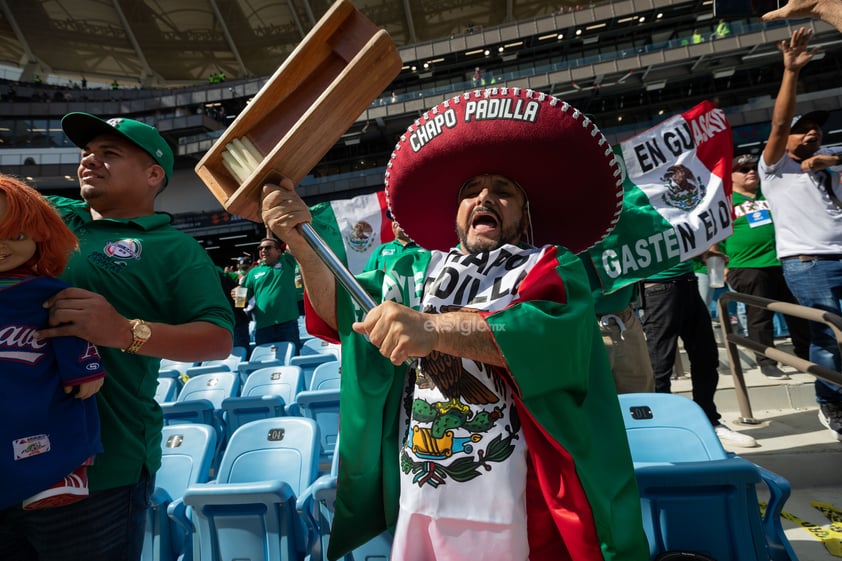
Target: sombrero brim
(557, 155)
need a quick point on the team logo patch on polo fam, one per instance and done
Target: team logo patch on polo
(361, 236)
(124, 249)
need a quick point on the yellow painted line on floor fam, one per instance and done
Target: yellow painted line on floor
(829, 534)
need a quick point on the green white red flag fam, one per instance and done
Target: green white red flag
(677, 193)
(353, 228)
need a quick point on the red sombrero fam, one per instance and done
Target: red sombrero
(559, 157)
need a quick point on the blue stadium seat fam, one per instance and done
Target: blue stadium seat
(317, 503)
(167, 389)
(322, 405)
(267, 354)
(179, 365)
(268, 392)
(326, 376)
(200, 401)
(249, 512)
(229, 364)
(695, 496)
(316, 346)
(309, 363)
(187, 451)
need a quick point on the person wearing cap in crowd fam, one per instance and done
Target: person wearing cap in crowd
(272, 285)
(804, 197)
(503, 439)
(142, 290)
(387, 253)
(753, 266)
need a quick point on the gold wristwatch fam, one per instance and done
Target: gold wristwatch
(140, 334)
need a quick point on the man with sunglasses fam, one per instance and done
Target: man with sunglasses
(272, 285)
(803, 193)
(753, 266)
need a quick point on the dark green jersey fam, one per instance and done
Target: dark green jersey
(146, 269)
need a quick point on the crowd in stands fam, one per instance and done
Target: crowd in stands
(479, 290)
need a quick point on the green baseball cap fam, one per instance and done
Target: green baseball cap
(81, 128)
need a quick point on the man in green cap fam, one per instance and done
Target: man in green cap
(142, 291)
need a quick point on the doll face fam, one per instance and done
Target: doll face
(16, 251)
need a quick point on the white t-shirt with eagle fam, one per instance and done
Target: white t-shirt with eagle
(463, 462)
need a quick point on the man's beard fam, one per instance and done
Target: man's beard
(508, 236)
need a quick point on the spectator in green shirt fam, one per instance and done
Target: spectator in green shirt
(753, 266)
(272, 285)
(142, 290)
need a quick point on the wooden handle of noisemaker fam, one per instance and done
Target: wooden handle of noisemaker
(327, 82)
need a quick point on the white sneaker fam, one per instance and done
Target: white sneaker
(728, 436)
(830, 415)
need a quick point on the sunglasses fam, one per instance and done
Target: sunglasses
(266, 247)
(746, 169)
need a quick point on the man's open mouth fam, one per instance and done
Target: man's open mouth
(484, 220)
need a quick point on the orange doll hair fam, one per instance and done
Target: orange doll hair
(27, 211)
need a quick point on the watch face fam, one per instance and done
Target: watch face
(142, 331)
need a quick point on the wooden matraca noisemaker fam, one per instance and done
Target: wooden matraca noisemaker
(327, 82)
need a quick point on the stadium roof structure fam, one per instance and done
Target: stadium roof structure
(177, 42)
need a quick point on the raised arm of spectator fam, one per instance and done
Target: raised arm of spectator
(795, 57)
(283, 211)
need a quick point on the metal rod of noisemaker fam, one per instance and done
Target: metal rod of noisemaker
(343, 275)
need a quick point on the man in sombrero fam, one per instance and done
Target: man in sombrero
(504, 439)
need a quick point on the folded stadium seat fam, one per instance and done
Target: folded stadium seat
(315, 345)
(241, 352)
(321, 403)
(317, 503)
(326, 376)
(187, 451)
(308, 364)
(267, 392)
(249, 512)
(267, 354)
(229, 364)
(167, 389)
(695, 496)
(200, 401)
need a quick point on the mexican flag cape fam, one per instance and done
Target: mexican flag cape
(677, 192)
(581, 496)
(353, 228)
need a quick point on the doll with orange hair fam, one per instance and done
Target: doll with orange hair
(50, 429)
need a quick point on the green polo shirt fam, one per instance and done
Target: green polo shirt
(386, 254)
(752, 245)
(273, 288)
(146, 269)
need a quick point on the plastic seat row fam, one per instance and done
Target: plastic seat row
(696, 497)
(265, 503)
(215, 399)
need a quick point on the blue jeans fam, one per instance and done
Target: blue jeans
(107, 526)
(818, 284)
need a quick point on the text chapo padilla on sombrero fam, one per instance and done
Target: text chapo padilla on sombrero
(675, 201)
(475, 110)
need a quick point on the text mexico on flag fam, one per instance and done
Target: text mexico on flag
(353, 228)
(677, 193)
